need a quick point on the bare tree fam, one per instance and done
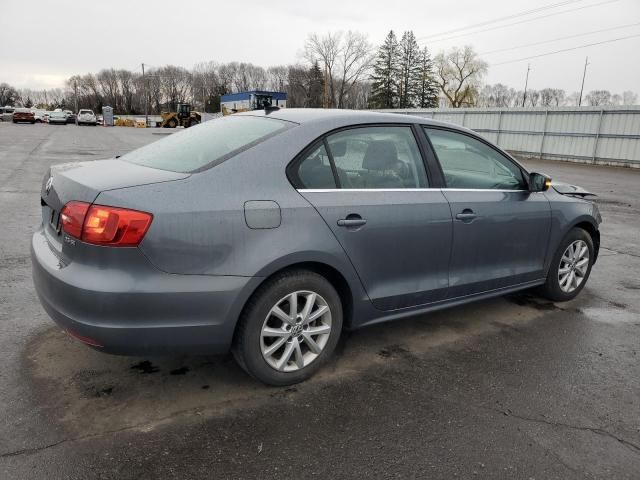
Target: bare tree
(598, 98)
(277, 78)
(8, 94)
(459, 73)
(497, 95)
(325, 50)
(551, 97)
(355, 60)
(629, 98)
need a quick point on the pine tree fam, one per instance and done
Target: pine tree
(315, 87)
(428, 91)
(409, 66)
(384, 79)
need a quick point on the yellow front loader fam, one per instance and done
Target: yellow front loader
(184, 117)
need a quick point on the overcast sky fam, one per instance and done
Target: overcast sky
(43, 42)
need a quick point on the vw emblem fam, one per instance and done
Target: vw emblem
(48, 185)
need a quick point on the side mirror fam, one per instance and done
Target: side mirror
(539, 182)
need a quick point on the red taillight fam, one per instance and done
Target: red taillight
(72, 217)
(103, 225)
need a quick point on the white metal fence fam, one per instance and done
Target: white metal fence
(608, 136)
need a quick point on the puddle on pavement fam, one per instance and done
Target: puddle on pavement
(91, 392)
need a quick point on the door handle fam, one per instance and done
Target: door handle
(352, 220)
(466, 215)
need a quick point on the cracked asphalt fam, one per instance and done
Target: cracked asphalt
(514, 387)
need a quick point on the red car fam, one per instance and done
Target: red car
(23, 115)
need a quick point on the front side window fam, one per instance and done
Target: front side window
(468, 163)
(200, 146)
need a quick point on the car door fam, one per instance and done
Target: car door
(370, 186)
(500, 229)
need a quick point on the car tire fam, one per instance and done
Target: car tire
(557, 287)
(264, 355)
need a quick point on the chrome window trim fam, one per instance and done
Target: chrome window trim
(329, 190)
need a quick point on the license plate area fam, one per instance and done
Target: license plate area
(52, 217)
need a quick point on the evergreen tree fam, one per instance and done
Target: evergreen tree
(315, 91)
(384, 79)
(428, 90)
(409, 66)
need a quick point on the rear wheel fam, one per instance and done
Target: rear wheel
(289, 328)
(570, 267)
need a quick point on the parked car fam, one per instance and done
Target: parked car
(87, 117)
(268, 233)
(39, 115)
(45, 117)
(58, 117)
(71, 117)
(23, 115)
(99, 120)
(6, 114)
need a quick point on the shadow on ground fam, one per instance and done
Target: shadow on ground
(91, 392)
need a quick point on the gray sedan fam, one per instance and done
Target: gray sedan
(269, 233)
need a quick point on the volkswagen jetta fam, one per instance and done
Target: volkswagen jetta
(269, 233)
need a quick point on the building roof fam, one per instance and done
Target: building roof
(236, 97)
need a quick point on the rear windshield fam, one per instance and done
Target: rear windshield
(86, 112)
(207, 144)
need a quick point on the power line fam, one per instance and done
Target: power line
(500, 19)
(560, 38)
(565, 50)
(522, 21)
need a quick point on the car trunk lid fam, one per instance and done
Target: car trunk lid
(83, 181)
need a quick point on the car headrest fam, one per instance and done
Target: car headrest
(338, 148)
(380, 155)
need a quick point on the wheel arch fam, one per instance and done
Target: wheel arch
(332, 273)
(591, 228)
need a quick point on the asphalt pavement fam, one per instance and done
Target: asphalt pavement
(513, 387)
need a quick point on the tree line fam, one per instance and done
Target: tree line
(336, 70)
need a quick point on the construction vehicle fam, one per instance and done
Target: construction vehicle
(183, 117)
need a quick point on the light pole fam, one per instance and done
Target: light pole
(584, 74)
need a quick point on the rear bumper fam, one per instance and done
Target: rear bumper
(140, 310)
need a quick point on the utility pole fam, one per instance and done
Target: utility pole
(146, 98)
(75, 95)
(584, 74)
(526, 84)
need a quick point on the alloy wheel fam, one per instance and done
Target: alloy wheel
(574, 265)
(295, 331)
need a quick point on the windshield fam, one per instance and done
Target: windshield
(211, 142)
(86, 112)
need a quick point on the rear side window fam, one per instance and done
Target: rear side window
(468, 163)
(377, 157)
(212, 142)
(315, 170)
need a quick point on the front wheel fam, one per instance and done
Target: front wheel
(289, 328)
(570, 267)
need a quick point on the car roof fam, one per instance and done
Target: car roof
(340, 118)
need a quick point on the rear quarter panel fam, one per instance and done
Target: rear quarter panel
(199, 223)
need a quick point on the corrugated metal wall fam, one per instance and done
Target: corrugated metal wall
(609, 135)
